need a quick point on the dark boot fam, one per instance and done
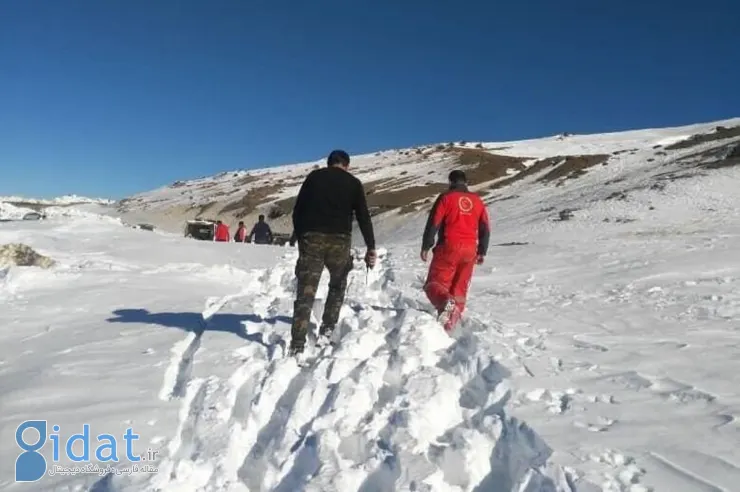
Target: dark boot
(295, 349)
(325, 332)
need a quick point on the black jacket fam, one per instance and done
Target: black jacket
(326, 202)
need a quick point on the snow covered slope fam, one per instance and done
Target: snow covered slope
(599, 353)
(406, 180)
(183, 341)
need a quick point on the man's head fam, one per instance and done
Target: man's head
(457, 178)
(218, 222)
(338, 158)
(261, 218)
(241, 223)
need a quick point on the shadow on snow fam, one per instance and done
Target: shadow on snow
(228, 323)
(195, 322)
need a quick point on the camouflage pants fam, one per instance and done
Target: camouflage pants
(316, 251)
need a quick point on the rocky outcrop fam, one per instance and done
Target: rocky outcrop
(16, 254)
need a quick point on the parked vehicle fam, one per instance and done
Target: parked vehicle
(202, 229)
(280, 239)
(34, 216)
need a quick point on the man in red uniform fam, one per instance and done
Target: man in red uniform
(221, 233)
(461, 219)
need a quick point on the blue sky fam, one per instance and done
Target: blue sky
(108, 98)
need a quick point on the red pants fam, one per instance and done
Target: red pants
(449, 274)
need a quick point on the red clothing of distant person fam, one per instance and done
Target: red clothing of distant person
(241, 233)
(461, 220)
(222, 232)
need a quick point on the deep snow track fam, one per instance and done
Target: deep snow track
(397, 406)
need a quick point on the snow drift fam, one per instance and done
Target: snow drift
(397, 405)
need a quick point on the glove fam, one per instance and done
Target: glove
(370, 258)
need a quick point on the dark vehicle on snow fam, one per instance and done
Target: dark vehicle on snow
(280, 239)
(34, 216)
(202, 229)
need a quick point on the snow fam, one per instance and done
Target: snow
(11, 207)
(61, 200)
(597, 354)
(184, 340)
(11, 212)
(406, 165)
(605, 142)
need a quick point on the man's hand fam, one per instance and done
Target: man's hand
(370, 258)
(479, 260)
(424, 255)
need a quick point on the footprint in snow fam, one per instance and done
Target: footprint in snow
(601, 425)
(579, 344)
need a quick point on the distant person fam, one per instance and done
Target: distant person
(241, 233)
(221, 233)
(261, 232)
(322, 224)
(461, 219)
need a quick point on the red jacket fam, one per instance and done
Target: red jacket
(241, 234)
(222, 233)
(458, 217)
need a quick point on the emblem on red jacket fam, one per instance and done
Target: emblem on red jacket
(465, 204)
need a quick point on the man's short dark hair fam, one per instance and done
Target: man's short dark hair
(261, 217)
(338, 157)
(457, 177)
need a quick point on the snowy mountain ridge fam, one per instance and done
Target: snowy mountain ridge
(404, 181)
(60, 200)
(16, 207)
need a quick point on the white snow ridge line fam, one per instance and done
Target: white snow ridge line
(178, 370)
(397, 406)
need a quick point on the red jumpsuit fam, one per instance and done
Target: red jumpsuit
(222, 233)
(460, 218)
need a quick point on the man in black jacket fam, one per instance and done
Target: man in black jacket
(261, 232)
(322, 221)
